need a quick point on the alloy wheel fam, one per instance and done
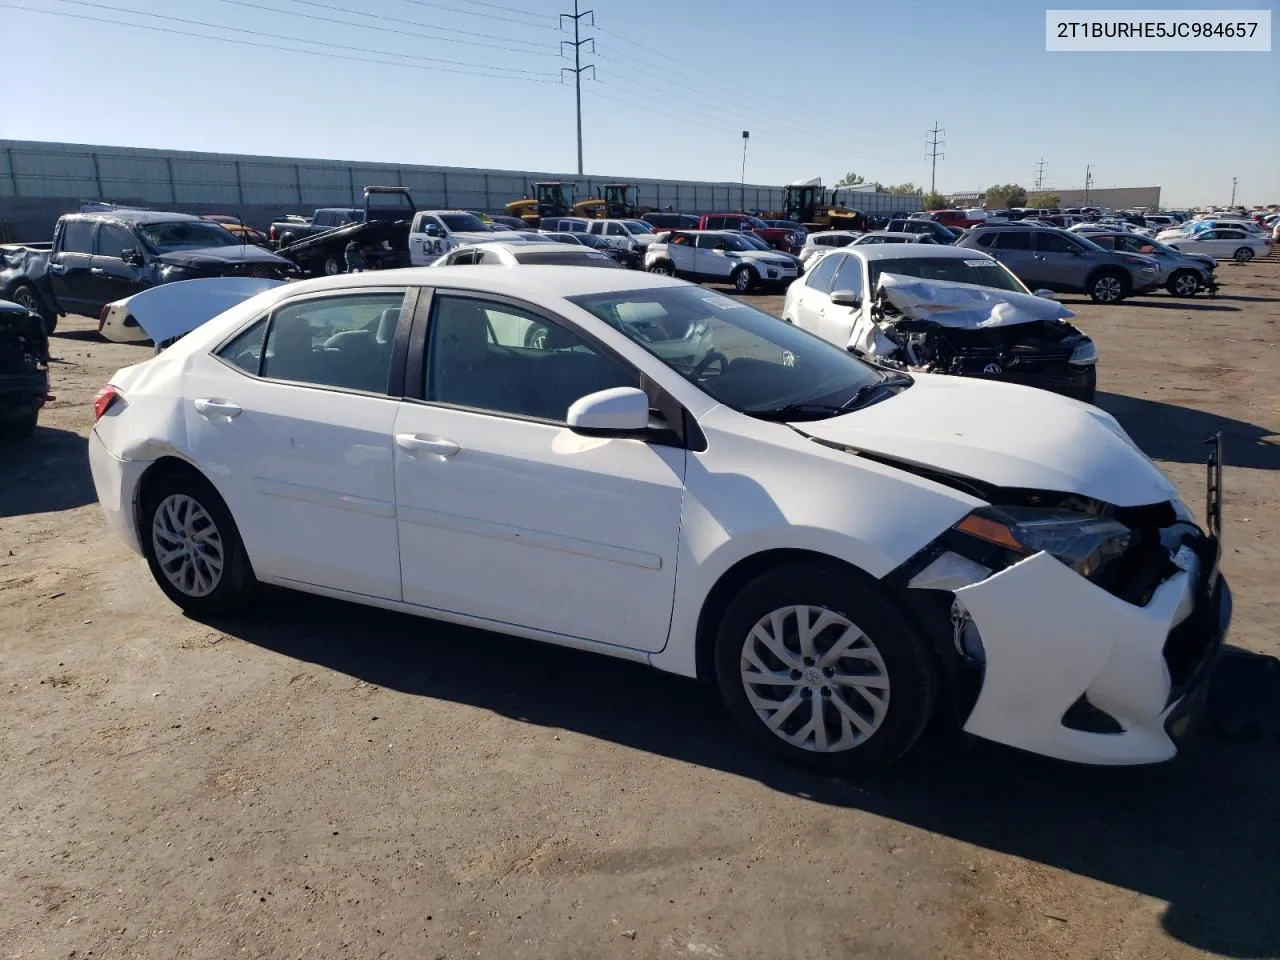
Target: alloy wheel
(1186, 285)
(1244, 254)
(1107, 289)
(814, 679)
(187, 544)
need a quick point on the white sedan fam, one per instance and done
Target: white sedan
(1223, 243)
(824, 241)
(673, 477)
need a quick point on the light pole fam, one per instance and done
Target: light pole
(746, 135)
(1234, 180)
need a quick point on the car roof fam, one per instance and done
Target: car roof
(135, 217)
(526, 281)
(895, 251)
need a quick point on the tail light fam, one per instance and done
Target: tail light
(103, 400)
(102, 317)
(271, 233)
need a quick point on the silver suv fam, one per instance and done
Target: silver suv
(1182, 274)
(1057, 260)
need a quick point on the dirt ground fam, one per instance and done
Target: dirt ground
(318, 780)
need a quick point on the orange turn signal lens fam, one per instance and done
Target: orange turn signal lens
(984, 528)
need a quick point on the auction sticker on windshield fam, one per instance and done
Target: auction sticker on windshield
(721, 303)
(979, 263)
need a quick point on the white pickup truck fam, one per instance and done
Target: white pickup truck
(434, 233)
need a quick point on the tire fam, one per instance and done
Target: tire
(535, 337)
(25, 295)
(663, 268)
(21, 427)
(1108, 286)
(744, 279)
(1243, 255)
(1184, 283)
(332, 266)
(285, 240)
(163, 510)
(891, 658)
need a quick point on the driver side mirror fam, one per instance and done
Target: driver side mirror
(619, 411)
(132, 257)
(846, 298)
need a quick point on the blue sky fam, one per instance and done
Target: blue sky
(825, 87)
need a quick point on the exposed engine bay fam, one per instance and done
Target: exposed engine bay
(24, 369)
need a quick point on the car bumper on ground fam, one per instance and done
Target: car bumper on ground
(1073, 672)
(115, 481)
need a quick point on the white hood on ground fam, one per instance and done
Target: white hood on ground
(1003, 434)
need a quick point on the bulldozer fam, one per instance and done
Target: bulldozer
(817, 207)
(551, 198)
(619, 202)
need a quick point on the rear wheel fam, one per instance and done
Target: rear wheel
(1184, 283)
(24, 295)
(193, 547)
(663, 268)
(820, 669)
(332, 266)
(1109, 287)
(1244, 254)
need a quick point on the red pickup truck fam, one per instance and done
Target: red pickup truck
(780, 238)
(956, 218)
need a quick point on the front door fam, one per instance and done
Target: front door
(712, 258)
(811, 307)
(1059, 262)
(835, 322)
(296, 436)
(112, 278)
(507, 515)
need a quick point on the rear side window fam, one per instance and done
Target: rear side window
(715, 223)
(245, 351)
(342, 341)
(77, 236)
(1013, 240)
(825, 271)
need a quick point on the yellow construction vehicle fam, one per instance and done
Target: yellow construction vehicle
(551, 198)
(619, 202)
(817, 207)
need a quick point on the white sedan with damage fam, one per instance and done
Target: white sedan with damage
(670, 476)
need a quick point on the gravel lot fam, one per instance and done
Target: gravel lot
(320, 780)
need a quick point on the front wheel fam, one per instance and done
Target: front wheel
(1108, 287)
(1244, 255)
(663, 268)
(1184, 283)
(193, 547)
(823, 671)
(744, 280)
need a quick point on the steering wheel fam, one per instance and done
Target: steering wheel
(714, 356)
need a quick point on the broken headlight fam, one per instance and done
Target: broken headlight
(1085, 354)
(1083, 542)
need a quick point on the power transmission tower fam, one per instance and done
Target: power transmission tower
(1088, 182)
(934, 144)
(577, 67)
(1040, 176)
(1234, 181)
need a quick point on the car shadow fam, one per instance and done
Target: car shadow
(1247, 299)
(1169, 431)
(1201, 833)
(44, 473)
(1183, 303)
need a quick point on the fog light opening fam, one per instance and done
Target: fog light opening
(965, 635)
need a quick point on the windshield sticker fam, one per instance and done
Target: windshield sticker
(979, 263)
(721, 303)
(598, 256)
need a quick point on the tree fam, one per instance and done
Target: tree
(850, 180)
(1043, 201)
(904, 188)
(933, 201)
(1007, 195)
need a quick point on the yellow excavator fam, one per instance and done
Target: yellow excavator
(551, 198)
(816, 207)
(620, 202)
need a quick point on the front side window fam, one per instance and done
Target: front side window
(114, 240)
(821, 276)
(500, 358)
(1049, 242)
(616, 230)
(343, 341)
(741, 356)
(464, 223)
(849, 276)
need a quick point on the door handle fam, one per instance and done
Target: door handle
(97, 272)
(416, 443)
(217, 408)
(58, 268)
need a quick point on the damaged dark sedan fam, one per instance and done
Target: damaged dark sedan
(101, 256)
(943, 310)
(24, 370)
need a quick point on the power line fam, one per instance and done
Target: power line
(1040, 176)
(494, 6)
(273, 46)
(441, 6)
(934, 153)
(577, 67)
(547, 51)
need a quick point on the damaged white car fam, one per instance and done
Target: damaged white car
(943, 310)
(670, 476)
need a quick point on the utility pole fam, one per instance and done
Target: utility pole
(1040, 176)
(1234, 181)
(1088, 182)
(577, 67)
(934, 144)
(746, 135)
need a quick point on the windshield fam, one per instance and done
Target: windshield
(637, 226)
(732, 241)
(978, 271)
(753, 241)
(464, 223)
(739, 355)
(185, 235)
(591, 240)
(1084, 241)
(569, 258)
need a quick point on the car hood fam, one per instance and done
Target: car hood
(211, 256)
(1002, 434)
(766, 255)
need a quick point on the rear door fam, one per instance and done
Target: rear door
(69, 265)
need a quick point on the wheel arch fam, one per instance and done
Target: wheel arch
(165, 466)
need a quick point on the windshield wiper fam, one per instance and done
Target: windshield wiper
(798, 411)
(869, 391)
